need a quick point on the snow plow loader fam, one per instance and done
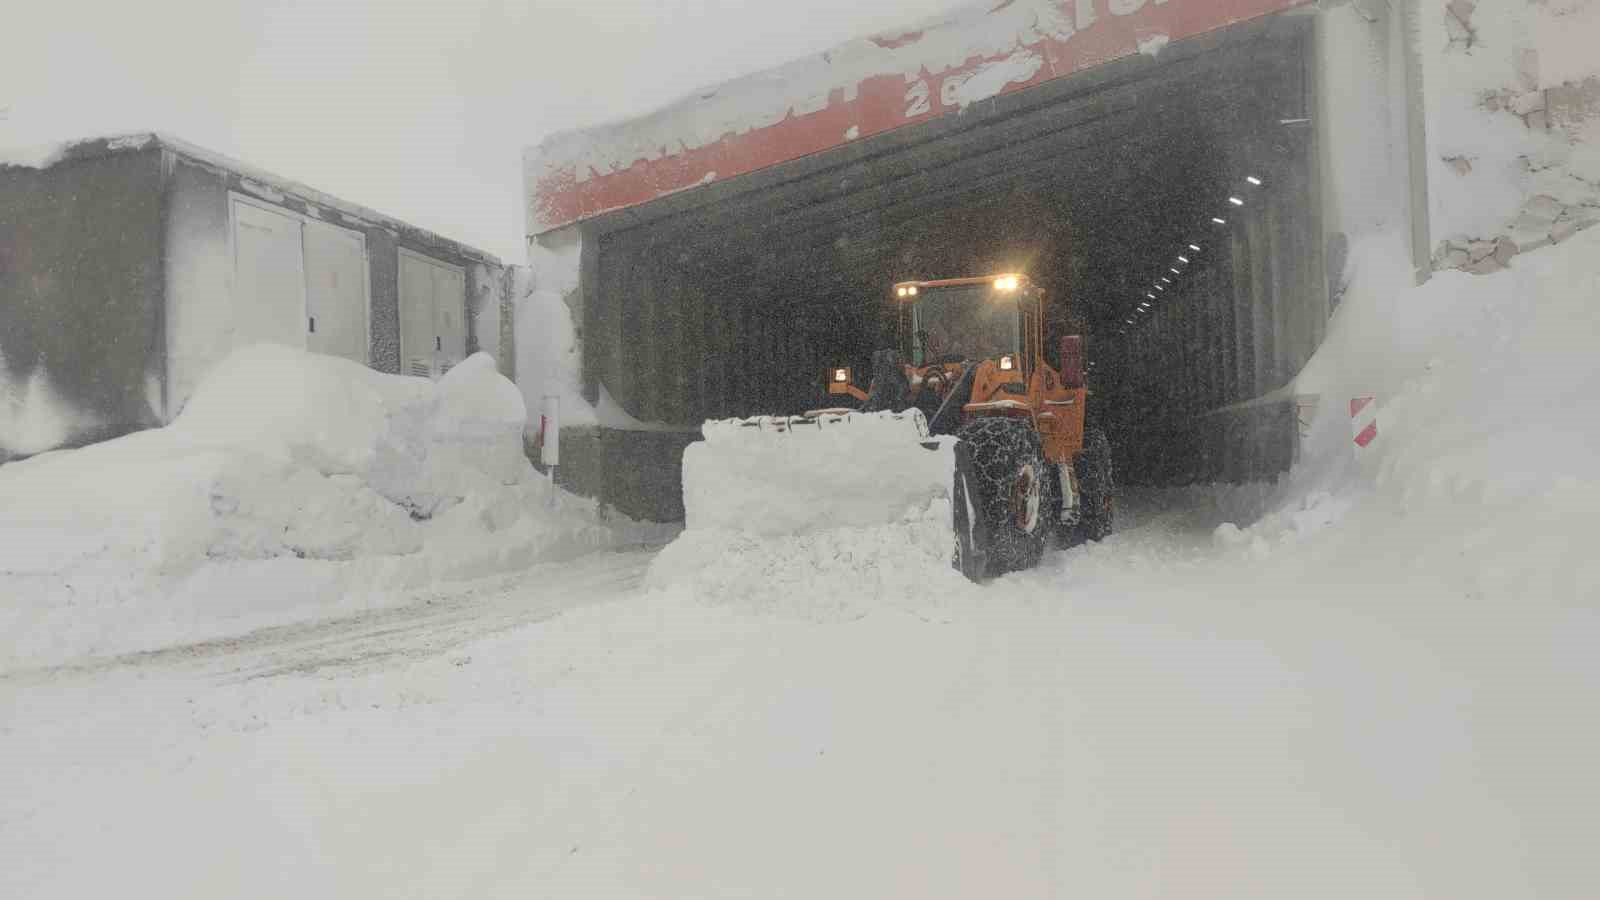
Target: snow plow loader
(969, 376)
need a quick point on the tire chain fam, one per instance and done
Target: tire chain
(999, 449)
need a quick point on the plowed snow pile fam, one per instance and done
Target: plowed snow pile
(834, 513)
(292, 484)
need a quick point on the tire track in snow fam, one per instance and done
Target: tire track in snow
(432, 624)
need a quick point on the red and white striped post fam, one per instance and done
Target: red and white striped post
(1364, 421)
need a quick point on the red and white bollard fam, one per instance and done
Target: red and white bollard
(1364, 421)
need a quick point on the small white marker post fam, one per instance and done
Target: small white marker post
(550, 451)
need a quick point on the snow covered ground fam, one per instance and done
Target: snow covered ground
(1374, 679)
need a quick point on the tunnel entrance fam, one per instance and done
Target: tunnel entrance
(732, 300)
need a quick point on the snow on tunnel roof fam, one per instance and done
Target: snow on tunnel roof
(864, 87)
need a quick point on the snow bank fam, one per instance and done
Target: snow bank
(281, 456)
(1483, 469)
(1461, 364)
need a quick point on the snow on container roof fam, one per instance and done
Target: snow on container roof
(257, 181)
(862, 88)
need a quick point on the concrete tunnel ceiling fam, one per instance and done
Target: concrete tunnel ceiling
(731, 298)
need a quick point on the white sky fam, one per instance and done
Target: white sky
(419, 110)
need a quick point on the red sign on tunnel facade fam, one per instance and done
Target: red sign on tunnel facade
(861, 89)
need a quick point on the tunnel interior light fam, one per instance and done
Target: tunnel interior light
(1195, 247)
(1165, 280)
(1151, 296)
(1219, 221)
(1235, 201)
(1160, 288)
(1182, 258)
(1253, 180)
(1175, 272)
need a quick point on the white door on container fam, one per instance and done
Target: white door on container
(433, 332)
(449, 314)
(336, 291)
(269, 286)
(417, 335)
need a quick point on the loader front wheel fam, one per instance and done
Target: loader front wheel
(1097, 503)
(1003, 504)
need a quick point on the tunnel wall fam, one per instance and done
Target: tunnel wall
(1197, 390)
(672, 348)
(636, 473)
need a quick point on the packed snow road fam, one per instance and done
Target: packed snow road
(1165, 714)
(433, 623)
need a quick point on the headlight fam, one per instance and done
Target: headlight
(1007, 363)
(912, 290)
(842, 376)
(900, 291)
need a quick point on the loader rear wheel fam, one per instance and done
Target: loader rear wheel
(1002, 497)
(1097, 505)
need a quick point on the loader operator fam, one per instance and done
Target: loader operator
(965, 326)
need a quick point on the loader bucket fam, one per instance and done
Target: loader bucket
(780, 475)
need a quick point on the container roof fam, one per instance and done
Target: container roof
(258, 180)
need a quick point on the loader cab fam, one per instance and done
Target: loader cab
(962, 320)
